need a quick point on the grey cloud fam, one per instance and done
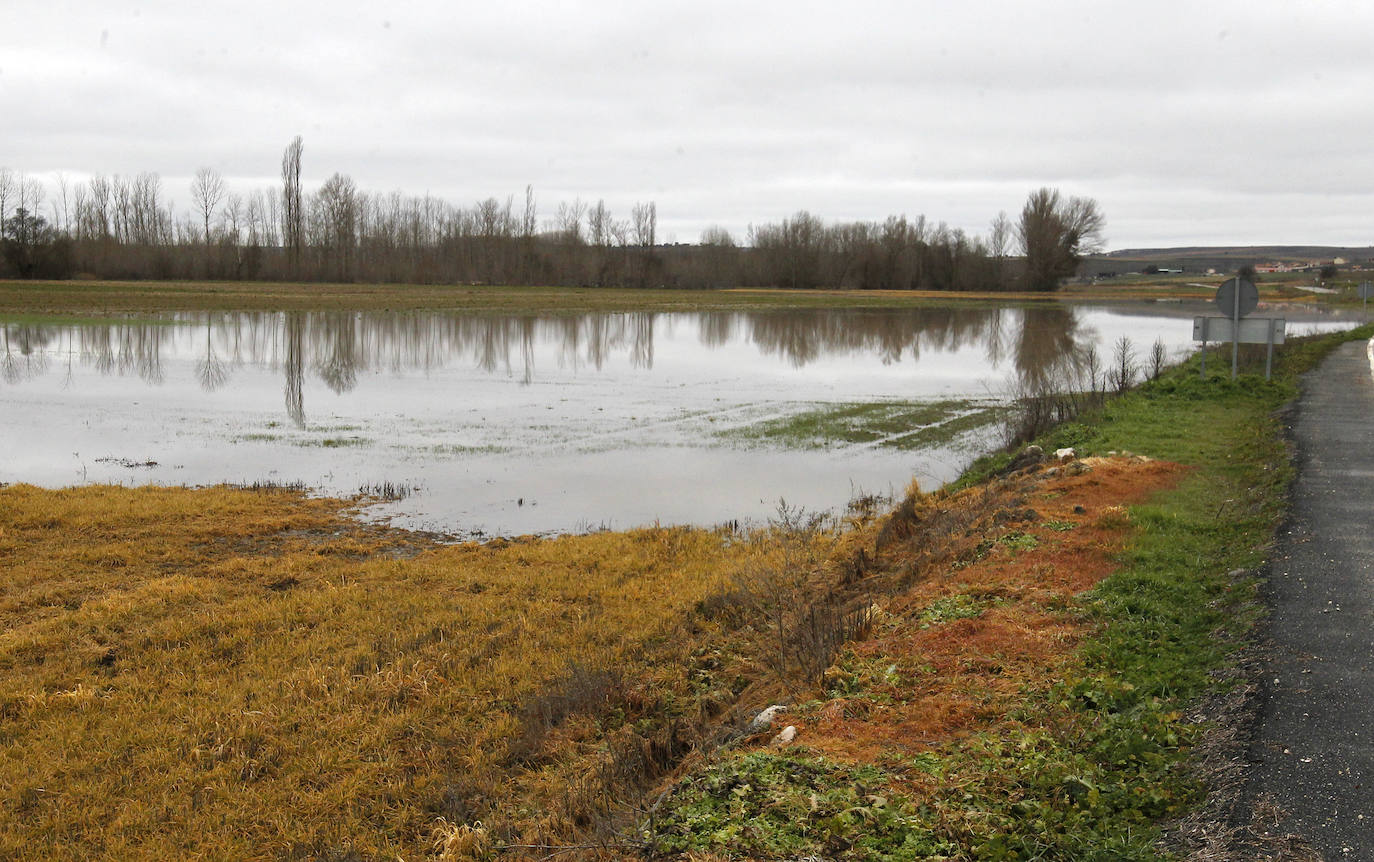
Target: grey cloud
(724, 112)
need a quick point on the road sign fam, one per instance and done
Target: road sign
(1366, 290)
(1241, 330)
(1237, 297)
(1253, 330)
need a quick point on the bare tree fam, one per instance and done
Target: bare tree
(30, 194)
(339, 210)
(102, 192)
(121, 225)
(569, 221)
(529, 223)
(599, 224)
(8, 189)
(999, 236)
(644, 221)
(1124, 365)
(1055, 234)
(207, 190)
(719, 258)
(1159, 358)
(138, 212)
(232, 217)
(792, 250)
(292, 212)
(64, 223)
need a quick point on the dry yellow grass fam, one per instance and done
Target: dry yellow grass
(227, 674)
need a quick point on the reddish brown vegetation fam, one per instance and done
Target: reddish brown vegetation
(1007, 578)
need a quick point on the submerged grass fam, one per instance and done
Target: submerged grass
(906, 425)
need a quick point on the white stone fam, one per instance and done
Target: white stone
(764, 720)
(788, 734)
(1062, 454)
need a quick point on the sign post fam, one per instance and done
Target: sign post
(1366, 289)
(1250, 330)
(1236, 298)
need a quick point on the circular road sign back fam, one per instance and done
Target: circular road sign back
(1233, 290)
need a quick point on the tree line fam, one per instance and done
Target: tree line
(125, 227)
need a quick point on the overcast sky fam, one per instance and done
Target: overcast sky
(1190, 122)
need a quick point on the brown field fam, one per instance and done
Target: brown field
(243, 675)
(234, 674)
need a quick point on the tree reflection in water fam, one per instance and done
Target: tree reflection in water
(211, 371)
(1047, 345)
(294, 365)
(25, 355)
(336, 346)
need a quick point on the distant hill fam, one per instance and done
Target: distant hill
(1199, 259)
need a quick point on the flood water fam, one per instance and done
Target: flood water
(493, 425)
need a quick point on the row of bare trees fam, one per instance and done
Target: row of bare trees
(127, 227)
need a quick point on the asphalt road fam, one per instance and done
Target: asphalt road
(1313, 749)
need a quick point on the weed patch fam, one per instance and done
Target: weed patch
(957, 607)
(789, 806)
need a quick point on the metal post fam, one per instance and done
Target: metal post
(1235, 329)
(1269, 357)
(1205, 321)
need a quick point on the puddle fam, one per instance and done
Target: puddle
(497, 425)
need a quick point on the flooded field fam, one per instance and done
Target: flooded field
(503, 425)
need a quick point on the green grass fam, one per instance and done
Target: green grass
(789, 805)
(1159, 617)
(337, 442)
(957, 607)
(456, 449)
(76, 319)
(946, 432)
